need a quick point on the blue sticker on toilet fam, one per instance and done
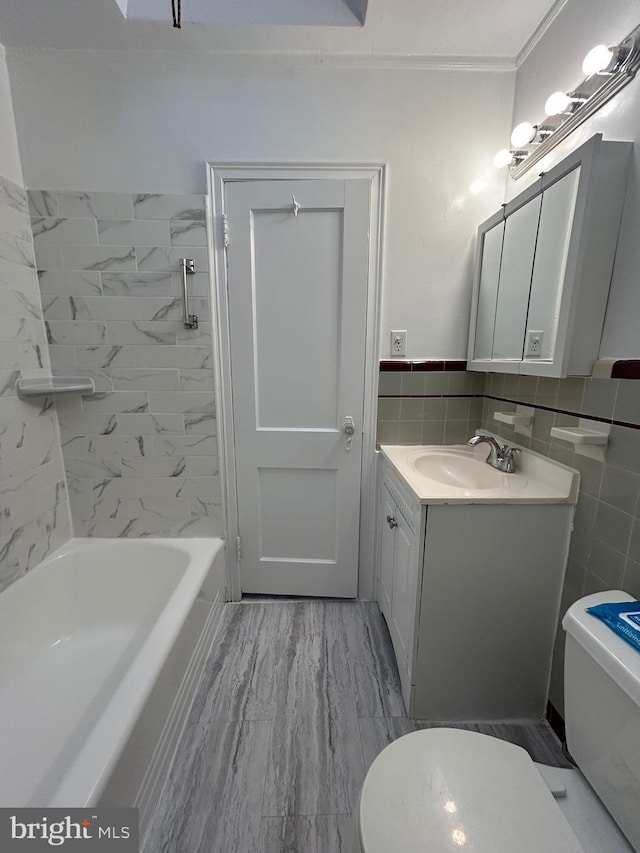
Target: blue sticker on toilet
(622, 617)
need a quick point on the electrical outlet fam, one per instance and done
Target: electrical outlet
(398, 342)
(534, 344)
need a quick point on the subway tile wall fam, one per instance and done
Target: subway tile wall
(34, 511)
(433, 407)
(141, 454)
(605, 543)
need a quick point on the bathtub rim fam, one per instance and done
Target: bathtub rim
(86, 776)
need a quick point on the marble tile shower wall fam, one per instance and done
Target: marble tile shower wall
(141, 454)
(605, 544)
(34, 513)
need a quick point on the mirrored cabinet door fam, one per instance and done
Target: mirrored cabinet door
(518, 249)
(488, 292)
(554, 234)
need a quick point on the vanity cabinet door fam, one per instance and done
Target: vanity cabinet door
(403, 607)
(387, 554)
(398, 573)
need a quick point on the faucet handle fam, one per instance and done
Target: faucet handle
(509, 451)
(508, 462)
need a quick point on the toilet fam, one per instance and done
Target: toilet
(444, 789)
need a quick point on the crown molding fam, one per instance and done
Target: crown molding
(544, 25)
(420, 62)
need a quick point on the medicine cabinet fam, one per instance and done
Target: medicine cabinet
(544, 264)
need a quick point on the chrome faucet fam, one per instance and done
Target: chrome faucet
(499, 457)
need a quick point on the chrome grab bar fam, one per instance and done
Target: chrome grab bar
(187, 267)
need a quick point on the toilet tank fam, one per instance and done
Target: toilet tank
(602, 710)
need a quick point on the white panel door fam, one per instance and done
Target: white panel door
(297, 282)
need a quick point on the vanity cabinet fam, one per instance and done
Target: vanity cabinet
(544, 264)
(399, 533)
(470, 593)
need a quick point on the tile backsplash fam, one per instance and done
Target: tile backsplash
(141, 454)
(34, 512)
(605, 543)
(428, 407)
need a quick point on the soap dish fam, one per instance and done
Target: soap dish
(513, 418)
(582, 434)
(576, 435)
(46, 386)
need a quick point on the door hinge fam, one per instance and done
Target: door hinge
(225, 231)
(238, 549)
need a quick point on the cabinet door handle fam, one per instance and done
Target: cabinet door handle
(391, 521)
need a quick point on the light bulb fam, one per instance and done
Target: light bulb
(523, 134)
(597, 59)
(503, 158)
(557, 104)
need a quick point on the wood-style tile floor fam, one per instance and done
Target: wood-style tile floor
(296, 701)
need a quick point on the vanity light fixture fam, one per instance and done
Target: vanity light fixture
(562, 103)
(507, 157)
(529, 134)
(608, 60)
(607, 70)
(523, 134)
(597, 60)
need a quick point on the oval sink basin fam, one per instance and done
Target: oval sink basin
(458, 474)
(457, 469)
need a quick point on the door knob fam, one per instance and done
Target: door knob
(348, 430)
(391, 521)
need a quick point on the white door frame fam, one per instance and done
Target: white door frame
(217, 175)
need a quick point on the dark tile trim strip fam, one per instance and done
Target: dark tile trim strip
(622, 369)
(427, 396)
(420, 365)
(395, 366)
(626, 369)
(558, 411)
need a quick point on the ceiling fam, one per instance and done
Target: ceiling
(499, 29)
(336, 13)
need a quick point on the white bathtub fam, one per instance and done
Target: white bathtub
(85, 638)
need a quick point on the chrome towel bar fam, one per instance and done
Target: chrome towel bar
(187, 267)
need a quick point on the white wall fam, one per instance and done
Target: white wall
(555, 63)
(9, 155)
(147, 122)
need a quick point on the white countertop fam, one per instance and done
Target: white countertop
(537, 480)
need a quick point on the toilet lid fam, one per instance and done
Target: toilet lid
(455, 791)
